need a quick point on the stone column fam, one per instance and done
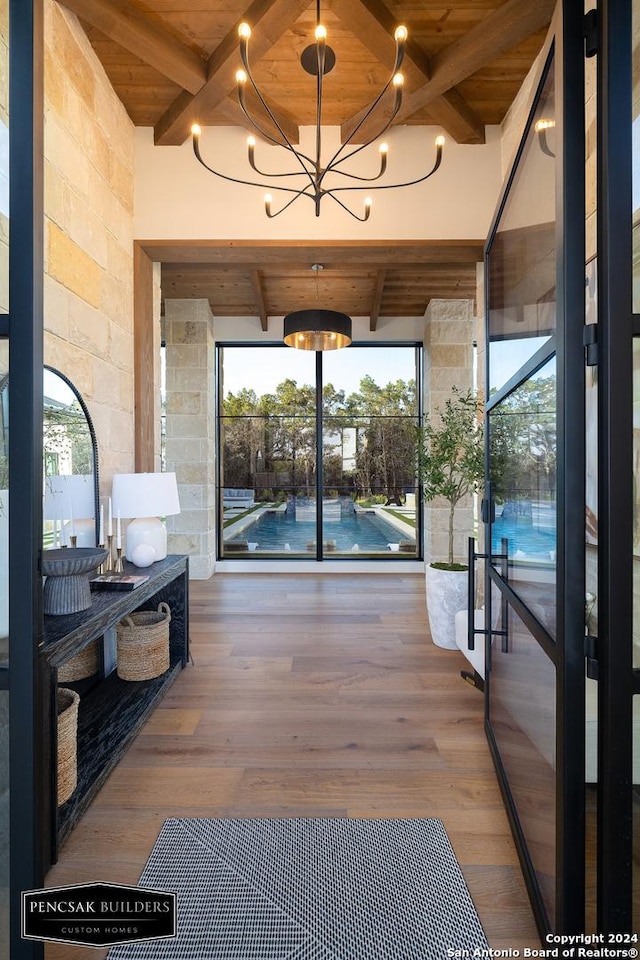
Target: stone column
(190, 430)
(448, 362)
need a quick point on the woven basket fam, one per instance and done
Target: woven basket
(143, 644)
(84, 664)
(68, 702)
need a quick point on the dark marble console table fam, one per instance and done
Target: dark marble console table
(111, 710)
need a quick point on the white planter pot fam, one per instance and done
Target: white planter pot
(446, 596)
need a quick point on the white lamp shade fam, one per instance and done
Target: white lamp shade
(69, 496)
(145, 495)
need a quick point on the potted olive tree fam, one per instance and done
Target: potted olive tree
(450, 464)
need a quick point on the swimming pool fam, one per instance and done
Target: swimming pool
(281, 533)
(526, 540)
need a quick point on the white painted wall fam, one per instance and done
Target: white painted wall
(175, 198)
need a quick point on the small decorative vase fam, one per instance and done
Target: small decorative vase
(67, 589)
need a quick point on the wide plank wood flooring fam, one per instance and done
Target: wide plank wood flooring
(311, 695)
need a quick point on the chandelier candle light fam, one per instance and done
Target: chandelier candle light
(317, 59)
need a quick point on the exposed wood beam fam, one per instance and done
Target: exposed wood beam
(507, 26)
(374, 25)
(452, 112)
(287, 253)
(231, 110)
(269, 19)
(256, 283)
(144, 347)
(148, 41)
(377, 300)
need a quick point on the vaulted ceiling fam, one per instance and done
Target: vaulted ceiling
(173, 62)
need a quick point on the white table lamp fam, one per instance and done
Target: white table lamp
(145, 497)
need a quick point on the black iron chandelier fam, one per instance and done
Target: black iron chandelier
(317, 59)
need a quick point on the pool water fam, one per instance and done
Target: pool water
(273, 531)
(526, 541)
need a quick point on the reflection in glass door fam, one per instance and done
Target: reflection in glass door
(535, 489)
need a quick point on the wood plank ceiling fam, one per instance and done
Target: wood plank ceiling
(172, 62)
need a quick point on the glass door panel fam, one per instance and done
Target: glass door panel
(368, 487)
(268, 483)
(522, 265)
(522, 713)
(4, 651)
(534, 331)
(523, 445)
(267, 452)
(370, 412)
(4, 158)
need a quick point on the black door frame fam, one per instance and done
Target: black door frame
(565, 43)
(616, 328)
(23, 327)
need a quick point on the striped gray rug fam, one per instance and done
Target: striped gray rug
(310, 889)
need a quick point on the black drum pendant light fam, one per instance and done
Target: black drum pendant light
(317, 329)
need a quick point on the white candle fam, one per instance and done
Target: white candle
(56, 538)
(101, 527)
(118, 532)
(72, 529)
(109, 521)
(63, 534)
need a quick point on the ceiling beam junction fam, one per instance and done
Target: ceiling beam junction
(269, 19)
(374, 25)
(130, 29)
(501, 30)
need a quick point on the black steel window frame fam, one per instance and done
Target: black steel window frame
(565, 46)
(23, 326)
(319, 557)
(616, 327)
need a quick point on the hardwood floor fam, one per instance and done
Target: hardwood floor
(311, 695)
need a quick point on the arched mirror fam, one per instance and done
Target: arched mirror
(70, 465)
(70, 462)
(70, 472)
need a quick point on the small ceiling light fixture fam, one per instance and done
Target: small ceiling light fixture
(317, 329)
(317, 60)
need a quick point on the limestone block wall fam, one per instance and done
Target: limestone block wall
(450, 327)
(190, 426)
(88, 284)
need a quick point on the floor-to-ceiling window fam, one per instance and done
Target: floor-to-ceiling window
(316, 452)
